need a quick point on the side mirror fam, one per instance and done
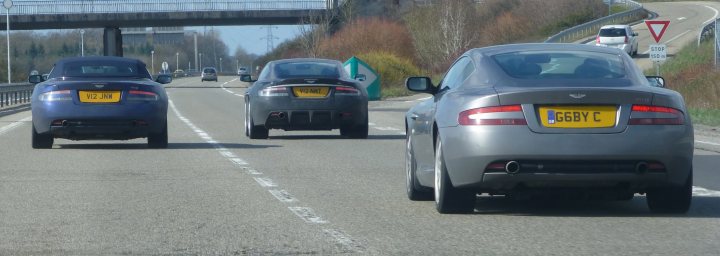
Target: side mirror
(360, 77)
(420, 84)
(35, 79)
(164, 79)
(246, 78)
(657, 81)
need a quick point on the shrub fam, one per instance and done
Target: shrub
(369, 35)
(392, 70)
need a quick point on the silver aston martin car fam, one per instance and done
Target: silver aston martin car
(538, 118)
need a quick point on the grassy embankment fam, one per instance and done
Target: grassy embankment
(692, 73)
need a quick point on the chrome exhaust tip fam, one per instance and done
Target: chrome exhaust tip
(512, 167)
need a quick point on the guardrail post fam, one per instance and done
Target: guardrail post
(2, 99)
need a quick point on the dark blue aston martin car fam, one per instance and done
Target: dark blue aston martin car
(99, 98)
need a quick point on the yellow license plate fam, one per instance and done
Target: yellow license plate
(311, 91)
(578, 116)
(99, 96)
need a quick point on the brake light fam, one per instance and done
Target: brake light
(135, 95)
(346, 90)
(62, 95)
(626, 39)
(274, 91)
(670, 116)
(597, 39)
(475, 116)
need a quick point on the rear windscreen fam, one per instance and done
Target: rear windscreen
(561, 65)
(612, 32)
(306, 69)
(209, 70)
(104, 68)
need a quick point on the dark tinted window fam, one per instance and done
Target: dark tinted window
(306, 69)
(100, 68)
(209, 70)
(561, 65)
(612, 32)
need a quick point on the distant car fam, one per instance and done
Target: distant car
(99, 98)
(536, 118)
(208, 74)
(305, 94)
(179, 73)
(242, 71)
(618, 36)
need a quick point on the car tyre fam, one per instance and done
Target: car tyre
(41, 140)
(159, 140)
(257, 131)
(674, 199)
(415, 191)
(449, 199)
(356, 132)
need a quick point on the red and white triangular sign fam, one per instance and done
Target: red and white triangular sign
(657, 28)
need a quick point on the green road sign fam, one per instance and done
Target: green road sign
(366, 75)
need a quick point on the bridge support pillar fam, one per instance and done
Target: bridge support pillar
(112, 42)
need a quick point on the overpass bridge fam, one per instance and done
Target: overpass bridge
(114, 14)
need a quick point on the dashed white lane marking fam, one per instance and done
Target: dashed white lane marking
(238, 161)
(682, 18)
(14, 125)
(703, 192)
(227, 154)
(251, 171)
(707, 142)
(265, 182)
(387, 128)
(344, 241)
(282, 195)
(307, 214)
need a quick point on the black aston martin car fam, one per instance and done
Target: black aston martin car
(305, 94)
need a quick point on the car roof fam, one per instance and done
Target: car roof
(560, 47)
(614, 26)
(329, 61)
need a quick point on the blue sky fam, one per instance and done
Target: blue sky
(249, 37)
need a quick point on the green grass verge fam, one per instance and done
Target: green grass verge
(692, 73)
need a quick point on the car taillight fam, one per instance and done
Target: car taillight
(274, 91)
(346, 90)
(661, 116)
(626, 39)
(479, 116)
(135, 95)
(597, 39)
(62, 95)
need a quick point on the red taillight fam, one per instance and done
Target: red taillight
(474, 117)
(597, 39)
(346, 90)
(675, 118)
(142, 95)
(626, 39)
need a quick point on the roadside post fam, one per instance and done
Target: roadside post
(658, 52)
(165, 67)
(371, 81)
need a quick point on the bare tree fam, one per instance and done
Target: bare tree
(315, 28)
(456, 26)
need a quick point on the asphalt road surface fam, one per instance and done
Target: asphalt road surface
(215, 192)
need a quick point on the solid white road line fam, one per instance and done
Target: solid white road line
(714, 16)
(14, 125)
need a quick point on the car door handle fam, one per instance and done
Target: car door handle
(414, 117)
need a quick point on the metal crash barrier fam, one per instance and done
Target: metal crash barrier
(15, 94)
